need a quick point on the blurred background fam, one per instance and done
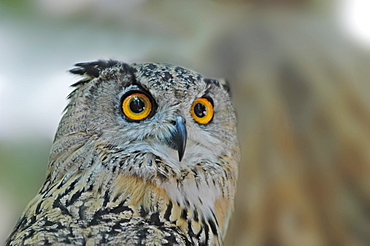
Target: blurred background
(299, 71)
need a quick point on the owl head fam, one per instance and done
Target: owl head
(135, 116)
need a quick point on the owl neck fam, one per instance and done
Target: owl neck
(153, 202)
(196, 198)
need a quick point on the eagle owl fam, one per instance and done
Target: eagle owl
(145, 154)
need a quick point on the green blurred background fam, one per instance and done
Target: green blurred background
(299, 83)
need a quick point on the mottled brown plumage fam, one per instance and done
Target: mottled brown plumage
(162, 178)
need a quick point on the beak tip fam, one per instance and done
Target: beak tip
(181, 154)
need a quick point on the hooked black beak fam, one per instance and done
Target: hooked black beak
(179, 136)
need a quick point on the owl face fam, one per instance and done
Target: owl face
(169, 111)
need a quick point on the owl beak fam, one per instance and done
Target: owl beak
(179, 136)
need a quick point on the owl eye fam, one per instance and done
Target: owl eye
(202, 110)
(137, 106)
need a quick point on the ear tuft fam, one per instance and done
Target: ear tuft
(220, 83)
(91, 69)
(225, 84)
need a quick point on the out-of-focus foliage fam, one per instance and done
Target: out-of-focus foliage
(301, 90)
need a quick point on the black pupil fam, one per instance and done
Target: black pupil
(137, 105)
(200, 110)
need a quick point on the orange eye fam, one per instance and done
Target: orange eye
(137, 106)
(202, 110)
